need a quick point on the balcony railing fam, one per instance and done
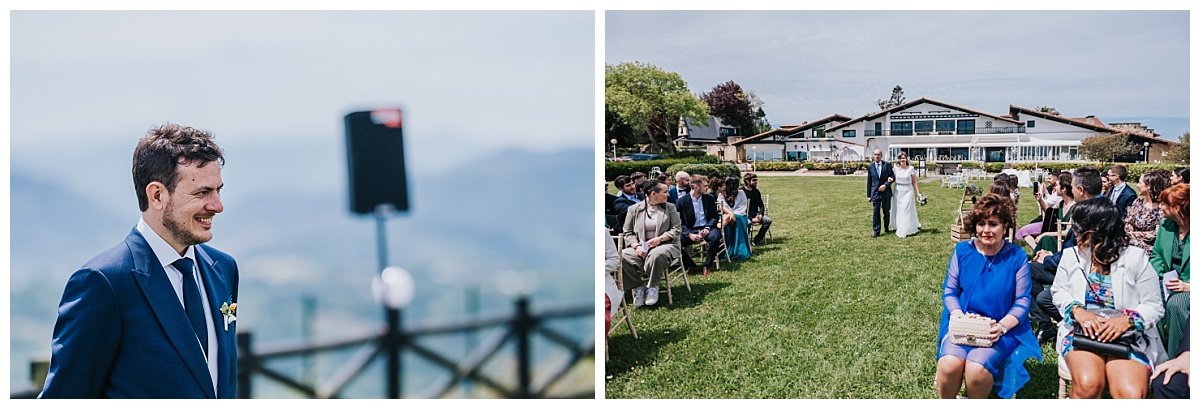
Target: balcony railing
(969, 131)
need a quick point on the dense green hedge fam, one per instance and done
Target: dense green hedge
(777, 166)
(614, 169)
(707, 169)
(1135, 169)
(834, 165)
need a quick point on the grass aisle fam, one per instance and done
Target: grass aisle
(821, 311)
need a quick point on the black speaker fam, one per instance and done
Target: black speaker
(375, 155)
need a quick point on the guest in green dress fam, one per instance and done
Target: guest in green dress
(1170, 253)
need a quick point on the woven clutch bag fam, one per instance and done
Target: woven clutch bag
(970, 329)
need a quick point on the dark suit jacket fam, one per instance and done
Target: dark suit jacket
(1126, 197)
(874, 180)
(687, 214)
(756, 202)
(122, 332)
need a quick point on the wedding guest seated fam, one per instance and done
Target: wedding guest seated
(1169, 256)
(610, 209)
(1048, 238)
(987, 276)
(683, 183)
(1172, 379)
(651, 234)
(1047, 197)
(628, 195)
(612, 293)
(1122, 195)
(734, 206)
(1181, 176)
(1105, 287)
(757, 210)
(1085, 184)
(1145, 214)
(699, 216)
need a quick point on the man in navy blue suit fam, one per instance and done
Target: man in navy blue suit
(154, 316)
(879, 190)
(1122, 195)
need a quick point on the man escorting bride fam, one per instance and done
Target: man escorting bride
(904, 199)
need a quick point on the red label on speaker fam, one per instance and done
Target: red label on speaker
(387, 117)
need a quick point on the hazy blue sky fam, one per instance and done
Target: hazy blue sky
(804, 65)
(273, 87)
(471, 81)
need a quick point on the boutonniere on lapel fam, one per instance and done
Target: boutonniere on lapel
(229, 311)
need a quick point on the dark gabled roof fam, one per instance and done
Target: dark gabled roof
(919, 101)
(788, 130)
(1092, 123)
(1017, 111)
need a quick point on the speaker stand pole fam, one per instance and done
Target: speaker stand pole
(392, 337)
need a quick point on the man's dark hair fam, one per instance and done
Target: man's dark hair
(636, 175)
(1088, 180)
(620, 182)
(1120, 171)
(1183, 173)
(162, 149)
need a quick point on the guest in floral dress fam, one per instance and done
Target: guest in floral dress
(1141, 223)
(1105, 276)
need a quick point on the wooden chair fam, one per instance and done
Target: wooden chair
(1063, 227)
(766, 205)
(676, 269)
(624, 313)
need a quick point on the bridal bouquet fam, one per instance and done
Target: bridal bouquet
(922, 199)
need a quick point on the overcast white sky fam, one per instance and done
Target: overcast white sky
(470, 82)
(1121, 65)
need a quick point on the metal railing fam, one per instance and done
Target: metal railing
(519, 329)
(969, 131)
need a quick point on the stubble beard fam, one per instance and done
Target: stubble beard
(177, 229)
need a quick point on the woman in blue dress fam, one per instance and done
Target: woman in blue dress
(987, 276)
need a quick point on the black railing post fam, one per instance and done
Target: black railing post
(247, 363)
(524, 323)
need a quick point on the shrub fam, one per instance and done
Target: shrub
(706, 169)
(835, 165)
(776, 166)
(614, 169)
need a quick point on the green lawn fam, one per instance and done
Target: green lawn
(821, 311)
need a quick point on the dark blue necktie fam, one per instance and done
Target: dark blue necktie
(191, 301)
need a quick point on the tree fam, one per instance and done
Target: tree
(650, 101)
(1049, 110)
(896, 100)
(735, 107)
(1107, 147)
(1179, 152)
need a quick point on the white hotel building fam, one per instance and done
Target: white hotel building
(933, 130)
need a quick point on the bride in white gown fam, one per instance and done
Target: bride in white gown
(904, 198)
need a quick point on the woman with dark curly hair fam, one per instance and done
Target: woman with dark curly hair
(987, 276)
(1144, 214)
(1170, 254)
(1109, 296)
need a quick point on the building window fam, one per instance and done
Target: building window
(923, 127)
(819, 132)
(966, 127)
(1029, 124)
(902, 128)
(848, 133)
(945, 127)
(727, 132)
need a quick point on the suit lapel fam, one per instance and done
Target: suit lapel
(167, 309)
(217, 290)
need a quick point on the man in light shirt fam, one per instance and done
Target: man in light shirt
(154, 316)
